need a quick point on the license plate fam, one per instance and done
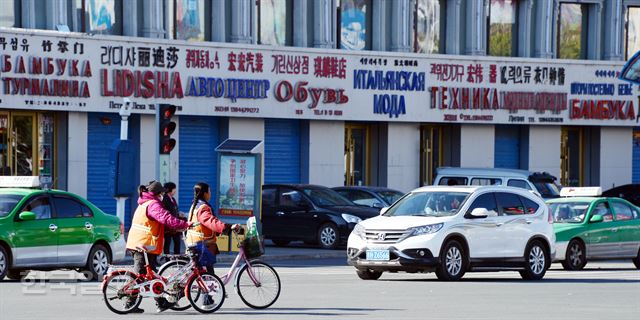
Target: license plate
(379, 255)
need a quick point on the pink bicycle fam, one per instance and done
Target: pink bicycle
(256, 282)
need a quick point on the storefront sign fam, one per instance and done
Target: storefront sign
(47, 70)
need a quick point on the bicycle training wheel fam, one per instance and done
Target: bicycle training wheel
(117, 292)
(205, 293)
(262, 292)
(167, 270)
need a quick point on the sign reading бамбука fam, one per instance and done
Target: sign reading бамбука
(47, 70)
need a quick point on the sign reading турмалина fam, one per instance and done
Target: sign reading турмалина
(47, 70)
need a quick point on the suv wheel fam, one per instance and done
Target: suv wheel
(576, 257)
(98, 262)
(328, 236)
(636, 261)
(4, 262)
(366, 274)
(16, 274)
(536, 261)
(453, 262)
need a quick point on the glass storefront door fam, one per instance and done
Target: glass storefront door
(26, 144)
(430, 152)
(356, 155)
(572, 157)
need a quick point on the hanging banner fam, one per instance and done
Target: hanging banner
(48, 70)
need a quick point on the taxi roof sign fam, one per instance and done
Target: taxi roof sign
(581, 192)
(19, 182)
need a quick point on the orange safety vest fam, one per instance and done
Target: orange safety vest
(199, 233)
(145, 231)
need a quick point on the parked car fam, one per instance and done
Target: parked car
(629, 192)
(590, 227)
(541, 182)
(455, 229)
(53, 229)
(311, 213)
(376, 197)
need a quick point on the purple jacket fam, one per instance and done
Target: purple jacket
(156, 212)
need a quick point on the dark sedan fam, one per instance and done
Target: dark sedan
(313, 214)
(376, 197)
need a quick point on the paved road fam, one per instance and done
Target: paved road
(328, 289)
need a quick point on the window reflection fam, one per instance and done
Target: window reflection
(633, 31)
(10, 14)
(353, 24)
(102, 17)
(570, 35)
(273, 22)
(189, 20)
(427, 27)
(502, 23)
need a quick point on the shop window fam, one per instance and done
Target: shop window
(633, 32)
(571, 157)
(572, 31)
(430, 153)
(10, 14)
(427, 36)
(502, 27)
(101, 16)
(188, 20)
(354, 19)
(276, 22)
(356, 155)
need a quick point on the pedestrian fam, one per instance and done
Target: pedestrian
(203, 236)
(147, 229)
(170, 203)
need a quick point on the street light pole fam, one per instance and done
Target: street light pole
(125, 112)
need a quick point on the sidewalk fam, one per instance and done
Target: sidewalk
(295, 251)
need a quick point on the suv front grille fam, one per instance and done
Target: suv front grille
(384, 236)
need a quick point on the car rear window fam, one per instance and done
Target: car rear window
(485, 181)
(7, 203)
(453, 181)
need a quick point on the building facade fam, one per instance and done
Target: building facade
(342, 92)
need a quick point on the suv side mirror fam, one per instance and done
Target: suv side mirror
(383, 210)
(378, 205)
(596, 218)
(27, 216)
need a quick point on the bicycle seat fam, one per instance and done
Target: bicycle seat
(145, 248)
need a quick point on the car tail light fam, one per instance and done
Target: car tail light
(122, 228)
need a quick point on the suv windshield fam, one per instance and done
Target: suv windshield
(568, 212)
(430, 203)
(390, 196)
(547, 189)
(326, 197)
(7, 203)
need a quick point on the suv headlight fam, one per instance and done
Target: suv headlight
(350, 218)
(428, 229)
(359, 231)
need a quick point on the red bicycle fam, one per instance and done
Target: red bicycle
(123, 289)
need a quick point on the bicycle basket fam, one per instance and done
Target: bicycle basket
(253, 246)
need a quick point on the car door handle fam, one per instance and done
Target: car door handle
(88, 225)
(498, 224)
(53, 227)
(614, 230)
(279, 213)
(528, 221)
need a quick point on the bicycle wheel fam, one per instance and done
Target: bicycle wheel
(262, 292)
(117, 292)
(167, 270)
(205, 293)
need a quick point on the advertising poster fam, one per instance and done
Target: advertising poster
(237, 185)
(102, 15)
(353, 24)
(189, 20)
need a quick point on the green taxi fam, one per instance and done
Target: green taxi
(53, 229)
(591, 227)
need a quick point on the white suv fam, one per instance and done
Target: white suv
(452, 230)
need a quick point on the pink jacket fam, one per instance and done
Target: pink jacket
(207, 219)
(158, 213)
